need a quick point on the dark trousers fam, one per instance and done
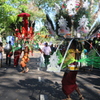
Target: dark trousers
(0, 62)
(8, 59)
(46, 57)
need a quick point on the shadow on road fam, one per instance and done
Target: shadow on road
(51, 90)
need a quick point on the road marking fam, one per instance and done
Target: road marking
(39, 79)
(43, 97)
(38, 69)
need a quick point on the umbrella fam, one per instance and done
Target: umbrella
(24, 15)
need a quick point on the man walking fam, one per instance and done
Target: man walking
(46, 51)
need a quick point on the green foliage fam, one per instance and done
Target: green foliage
(9, 9)
(43, 2)
(43, 31)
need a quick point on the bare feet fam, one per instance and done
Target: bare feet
(22, 71)
(27, 69)
(81, 97)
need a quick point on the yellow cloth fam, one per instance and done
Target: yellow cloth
(70, 58)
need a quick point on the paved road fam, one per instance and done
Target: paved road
(42, 85)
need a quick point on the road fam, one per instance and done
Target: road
(42, 85)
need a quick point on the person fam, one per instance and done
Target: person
(84, 55)
(69, 77)
(53, 49)
(46, 52)
(1, 50)
(25, 60)
(7, 50)
(17, 54)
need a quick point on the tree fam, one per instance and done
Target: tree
(8, 10)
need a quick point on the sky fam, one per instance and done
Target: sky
(38, 25)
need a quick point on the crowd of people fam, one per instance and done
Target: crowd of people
(88, 53)
(77, 50)
(15, 51)
(74, 53)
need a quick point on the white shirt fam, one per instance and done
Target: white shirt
(46, 50)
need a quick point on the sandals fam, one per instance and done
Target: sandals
(81, 97)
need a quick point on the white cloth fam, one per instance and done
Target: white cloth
(7, 48)
(46, 50)
(41, 63)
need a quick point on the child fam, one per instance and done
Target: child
(25, 60)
